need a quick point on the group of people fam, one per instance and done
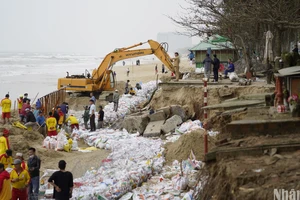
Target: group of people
(89, 114)
(23, 181)
(216, 66)
(33, 117)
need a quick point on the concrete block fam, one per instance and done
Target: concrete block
(137, 123)
(178, 110)
(225, 92)
(171, 124)
(157, 116)
(153, 129)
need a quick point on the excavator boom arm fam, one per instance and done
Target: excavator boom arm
(125, 53)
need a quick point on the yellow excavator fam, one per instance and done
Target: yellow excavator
(102, 79)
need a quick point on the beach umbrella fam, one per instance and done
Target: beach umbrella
(268, 49)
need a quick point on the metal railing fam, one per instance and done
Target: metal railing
(53, 99)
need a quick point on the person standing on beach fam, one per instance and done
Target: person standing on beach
(3, 144)
(86, 117)
(20, 103)
(207, 65)
(128, 71)
(116, 100)
(6, 105)
(216, 68)
(127, 87)
(51, 124)
(163, 68)
(92, 115)
(93, 97)
(20, 180)
(62, 182)
(176, 62)
(123, 63)
(100, 118)
(34, 165)
(156, 71)
(25, 98)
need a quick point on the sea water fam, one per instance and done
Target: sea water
(37, 73)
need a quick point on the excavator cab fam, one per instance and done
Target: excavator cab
(84, 83)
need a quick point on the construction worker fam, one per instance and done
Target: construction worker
(20, 180)
(23, 110)
(51, 125)
(74, 122)
(23, 163)
(61, 117)
(86, 116)
(131, 91)
(3, 144)
(116, 100)
(6, 159)
(92, 115)
(176, 62)
(100, 117)
(5, 187)
(6, 105)
(20, 103)
(42, 123)
(6, 134)
(30, 119)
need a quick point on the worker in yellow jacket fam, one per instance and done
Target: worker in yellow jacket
(5, 187)
(6, 158)
(3, 144)
(74, 122)
(20, 103)
(6, 105)
(20, 180)
(51, 125)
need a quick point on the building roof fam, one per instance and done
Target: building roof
(289, 71)
(215, 42)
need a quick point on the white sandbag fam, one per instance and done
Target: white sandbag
(180, 182)
(74, 145)
(233, 77)
(101, 145)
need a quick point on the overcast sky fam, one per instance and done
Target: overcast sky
(82, 26)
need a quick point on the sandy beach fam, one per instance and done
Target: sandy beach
(146, 72)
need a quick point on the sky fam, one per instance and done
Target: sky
(83, 26)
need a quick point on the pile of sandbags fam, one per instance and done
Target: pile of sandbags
(128, 102)
(132, 161)
(60, 142)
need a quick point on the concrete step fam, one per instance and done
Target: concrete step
(228, 105)
(244, 128)
(220, 153)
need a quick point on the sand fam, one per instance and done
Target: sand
(181, 149)
(145, 72)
